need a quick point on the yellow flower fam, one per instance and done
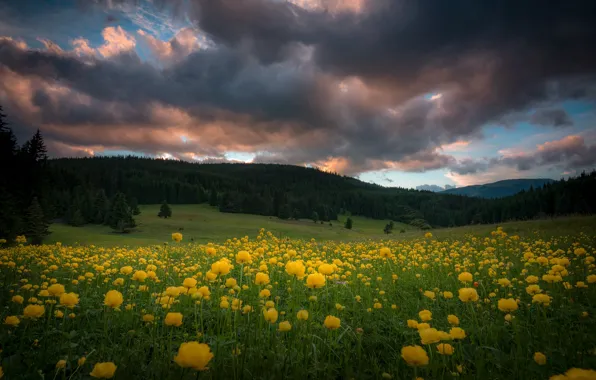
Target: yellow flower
(264, 293)
(591, 279)
(243, 257)
(81, 361)
(533, 289)
(61, 364)
(532, 279)
(231, 282)
(425, 315)
(56, 290)
(148, 318)
(139, 275)
(468, 294)
(270, 315)
(465, 277)
(453, 320)
(504, 282)
(447, 295)
(12, 320)
(69, 300)
(33, 311)
(422, 326)
(326, 269)
(430, 294)
(507, 305)
(58, 314)
(261, 279)
(302, 315)
(385, 252)
(315, 280)
(414, 355)
(445, 349)
(457, 333)
(540, 358)
(177, 237)
(285, 326)
(104, 370)
(17, 299)
(194, 355)
(126, 270)
(541, 299)
(173, 319)
(413, 324)
(430, 335)
(221, 267)
(331, 322)
(113, 299)
(189, 283)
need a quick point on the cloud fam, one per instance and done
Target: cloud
(434, 188)
(348, 85)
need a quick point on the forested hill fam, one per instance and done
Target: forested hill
(499, 189)
(294, 192)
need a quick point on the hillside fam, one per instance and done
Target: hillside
(499, 189)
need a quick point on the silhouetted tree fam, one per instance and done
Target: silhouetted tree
(348, 223)
(165, 211)
(120, 216)
(37, 226)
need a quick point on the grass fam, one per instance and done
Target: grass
(205, 224)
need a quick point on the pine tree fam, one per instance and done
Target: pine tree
(77, 219)
(165, 211)
(314, 216)
(8, 142)
(213, 198)
(134, 206)
(284, 212)
(349, 223)
(120, 216)
(37, 226)
(101, 207)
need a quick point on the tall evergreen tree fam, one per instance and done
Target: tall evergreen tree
(284, 212)
(120, 216)
(349, 223)
(213, 198)
(165, 211)
(101, 207)
(314, 216)
(37, 226)
(134, 206)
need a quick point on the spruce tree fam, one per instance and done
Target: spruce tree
(165, 211)
(314, 216)
(134, 206)
(37, 226)
(77, 218)
(120, 216)
(349, 223)
(101, 207)
(284, 212)
(213, 198)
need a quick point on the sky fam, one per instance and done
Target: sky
(404, 93)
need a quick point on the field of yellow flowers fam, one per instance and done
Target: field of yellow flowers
(499, 307)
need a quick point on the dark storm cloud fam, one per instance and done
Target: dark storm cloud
(557, 117)
(277, 68)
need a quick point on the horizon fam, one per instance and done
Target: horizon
(386, 92)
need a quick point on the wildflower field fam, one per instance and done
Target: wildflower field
(497, 307)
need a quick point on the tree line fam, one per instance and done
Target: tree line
(35, 190)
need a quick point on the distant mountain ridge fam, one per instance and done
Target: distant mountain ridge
(499, 189)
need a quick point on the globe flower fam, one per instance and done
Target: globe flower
(113, 299)
(533, 289)
(468, 294)
(453, 320)
(302, 315)
(103, 370)
(465, 277)
(325, 269)
(430, 335)
(189, 283)
(221, 267)
(17, 299)
(425, 315)
(507, 305)
(315, 281)
(12, 320)
(415, 356)
(173, 319)
(148, 318)
(285, 326)
(445, 349)
(61, 364)
(231, 282)
(69, 300)
(295, 268)
(457, 333)
(541, 299)
(177, 237)
(429, 294)
(33, 311)
(56, 290)
(270, 315)
(139, 275)
(243, 257)
(331, 322)
(126, 270)
(413, 324)
(261, 279)
(447, 295)
(540, 358)
(194, 355)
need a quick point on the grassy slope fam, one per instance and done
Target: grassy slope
(204, 224)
